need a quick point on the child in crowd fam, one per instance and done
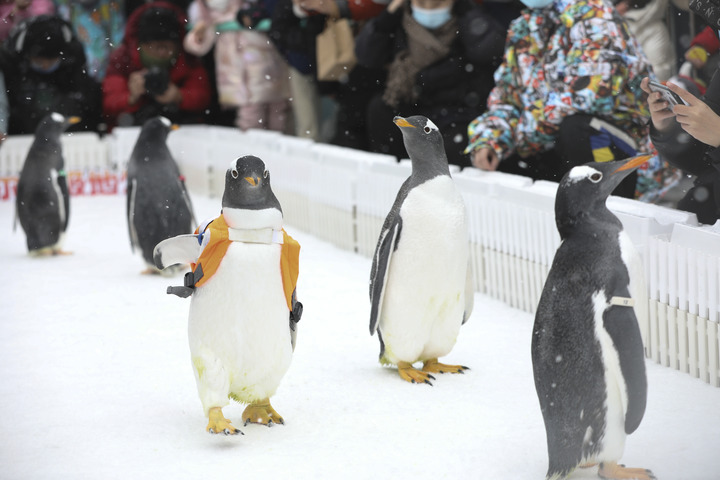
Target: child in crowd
(250, 74)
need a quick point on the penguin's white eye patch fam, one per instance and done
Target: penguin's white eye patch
(582, 172)
(430, 126)
(57, 117)
(265, 174)
(234, 173)
(596, 177)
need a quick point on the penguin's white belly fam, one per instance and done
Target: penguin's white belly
(613, 440)
(425, 288)
(239, 327)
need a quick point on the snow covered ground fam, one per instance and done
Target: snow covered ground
(96, 383)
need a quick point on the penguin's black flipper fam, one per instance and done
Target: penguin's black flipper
(65, 193)
(186, 197)
(621, 325)
(387, 244)
(131, 192)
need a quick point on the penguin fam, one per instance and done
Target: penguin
(587, 351)
(158, 204)
(421, 288)
(244, 308)
(43, 202)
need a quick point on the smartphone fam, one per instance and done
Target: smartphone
(671, 97)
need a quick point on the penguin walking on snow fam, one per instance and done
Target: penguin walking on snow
(43, 201)
(587, 351)
(158, 204)
(244, 310)
(421, 288)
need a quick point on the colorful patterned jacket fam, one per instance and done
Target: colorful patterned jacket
(574, 56)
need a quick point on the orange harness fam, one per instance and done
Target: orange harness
(218, 242)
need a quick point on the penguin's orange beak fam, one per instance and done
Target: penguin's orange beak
(633, 163)
(174, 126)
(74, 120)
(401, 122)
(252, 181)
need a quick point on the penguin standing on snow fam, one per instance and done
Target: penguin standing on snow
(43, 201)
(587, 352)
(244, 310)
(158, 204)
(421, 288)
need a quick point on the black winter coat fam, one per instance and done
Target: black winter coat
(69, 90)
(454, 88)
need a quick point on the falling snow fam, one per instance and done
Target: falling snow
(96, 381)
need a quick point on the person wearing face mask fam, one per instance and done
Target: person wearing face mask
(45, 71)
(151, 74)
(441, 56)
(567, 93)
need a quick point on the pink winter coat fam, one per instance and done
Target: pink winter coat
(249, 68)
(11, 16)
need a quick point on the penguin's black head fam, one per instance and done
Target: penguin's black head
(157, 128)
(247, 185)
(424, 143)
(53, 125)
(584, 189)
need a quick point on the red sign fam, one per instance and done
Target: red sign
(103, 182)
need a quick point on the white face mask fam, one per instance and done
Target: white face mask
(537, 3)
(217, 5)
(431, 18)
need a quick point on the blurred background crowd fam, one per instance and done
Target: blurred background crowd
(530, 87)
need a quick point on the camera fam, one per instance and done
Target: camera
(157, 80)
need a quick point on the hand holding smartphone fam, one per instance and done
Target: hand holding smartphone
(671, 97)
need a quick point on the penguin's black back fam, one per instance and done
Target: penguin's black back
(161, 208)
(39, 200)
(566, 354)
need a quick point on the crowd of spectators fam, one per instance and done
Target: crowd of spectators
(524, 86)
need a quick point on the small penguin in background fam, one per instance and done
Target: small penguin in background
(587, 351)
(244, 309)
(421, 288)
(43, 201)
(158, 204)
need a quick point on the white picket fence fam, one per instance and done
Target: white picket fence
(342, 196)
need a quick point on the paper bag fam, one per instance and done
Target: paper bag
(335, 48)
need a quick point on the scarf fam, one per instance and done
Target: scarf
(425, 47)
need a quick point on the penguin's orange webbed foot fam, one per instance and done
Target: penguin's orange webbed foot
(411, 374)
(433, 366)
(262, 413)
(613, 471)
(217, 423)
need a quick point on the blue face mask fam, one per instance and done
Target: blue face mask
(49, 69)
(431, 18)
(537, 3)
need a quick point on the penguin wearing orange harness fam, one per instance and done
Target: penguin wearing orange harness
(244, 310)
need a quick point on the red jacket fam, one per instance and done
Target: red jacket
(188, 72)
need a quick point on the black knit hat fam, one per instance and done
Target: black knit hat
(44, 36)
(158, 23)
